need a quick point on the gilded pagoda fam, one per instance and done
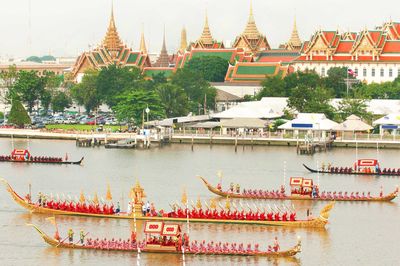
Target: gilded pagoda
(111, 51)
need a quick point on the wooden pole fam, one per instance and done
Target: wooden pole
(192, 142)
(236, 142)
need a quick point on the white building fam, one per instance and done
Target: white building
(374, 55)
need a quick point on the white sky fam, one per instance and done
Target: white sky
(67, 27)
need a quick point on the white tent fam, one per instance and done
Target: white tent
(310, 121)
(353, 123)
(388, 120)
(267, 108)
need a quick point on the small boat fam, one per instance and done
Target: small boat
(168, 239)
(360, 167)
(24, 156)
(301, 189)
(122, 144)
(211, 215)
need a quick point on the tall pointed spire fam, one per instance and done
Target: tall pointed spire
(142, 43)
(112, 41)
(163, 59)
(251, 30)
(184, 44)
(295, 40)
(206, 37)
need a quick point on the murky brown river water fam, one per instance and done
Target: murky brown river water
(358, 233)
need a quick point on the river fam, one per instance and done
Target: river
(357, 233)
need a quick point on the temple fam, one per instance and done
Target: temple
(251, 40)
(206, 40)
(374, 55)
(111, 51)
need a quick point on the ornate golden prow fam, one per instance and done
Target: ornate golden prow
(42, 234)
(325, 212)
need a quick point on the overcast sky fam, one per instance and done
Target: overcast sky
(68, 27)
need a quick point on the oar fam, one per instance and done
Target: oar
(80, 238)
(62, 241)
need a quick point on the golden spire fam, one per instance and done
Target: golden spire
(163, 59)
(183, 41)
(112, 41)
(295, 40)
(251, 30)
(206, 37)
(142, 43)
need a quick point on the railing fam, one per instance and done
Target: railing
(280, 135)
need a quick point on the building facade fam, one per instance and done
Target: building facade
(374, 55)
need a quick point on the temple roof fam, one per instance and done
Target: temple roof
(295, 40)
(184, 44)
(112, 41)
(251, 31)
(163, 59)
(206, 37)
(143, 48)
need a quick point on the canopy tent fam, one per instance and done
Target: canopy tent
(390, 121)
(244, 123)
(367, 162)
(353, 123)
(171, 230)
(269, 108)
(309, 121)
(153, 227)
(209, 124)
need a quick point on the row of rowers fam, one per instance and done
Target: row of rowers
(213, 211)
(162, 240)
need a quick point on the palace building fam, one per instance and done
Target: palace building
(374, 55)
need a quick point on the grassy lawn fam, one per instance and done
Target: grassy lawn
(79, 127)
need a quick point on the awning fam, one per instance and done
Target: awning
(296, 181)
(367, 162)
(170, 230)
(153, 227)
(244, 123)
(307, 183)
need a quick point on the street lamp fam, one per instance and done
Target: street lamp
(147, 113)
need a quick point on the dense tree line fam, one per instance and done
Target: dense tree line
(34, 90)
(128, 93)
(309, 92)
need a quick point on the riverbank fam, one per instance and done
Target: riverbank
(370, 141)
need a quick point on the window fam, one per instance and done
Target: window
(398, 72)
(373, 72)
(323, 71)
(356, 71)
(382, 72)
(364, 72)
(390, 72)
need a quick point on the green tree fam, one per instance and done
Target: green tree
(132, 104)
(197, 89)
(351, 106)
(9, 76)
(273, 87)
(85, 93)
(212, 68)
(18, 115)
(173, 99)
(115, 80)
(28, 88)
(336, 80)
(308, 100)
(60, 101)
